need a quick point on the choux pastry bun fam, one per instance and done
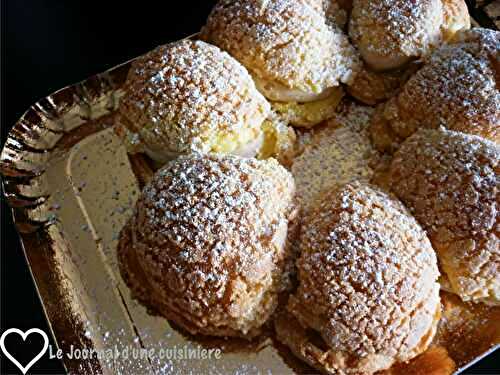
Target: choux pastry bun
(450, 182)
(371, 87)
(293, 50)
(206, 245)
(368, 295)
(389, 34)
(190, 96)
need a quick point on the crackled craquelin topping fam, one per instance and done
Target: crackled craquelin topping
(335, 155)
(390, 32)
(209, 234)
(189, 96)
(457, 89)
(367, 279)
(287, 42)
(450, 182)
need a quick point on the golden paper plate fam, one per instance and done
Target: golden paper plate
(72, 187)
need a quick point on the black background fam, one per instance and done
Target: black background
(49, 44)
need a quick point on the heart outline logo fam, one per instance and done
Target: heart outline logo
(24, 335)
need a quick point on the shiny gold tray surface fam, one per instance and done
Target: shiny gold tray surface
(72, 187)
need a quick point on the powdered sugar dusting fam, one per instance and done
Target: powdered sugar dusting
(457, 89)
(335, 155)
(459, 82)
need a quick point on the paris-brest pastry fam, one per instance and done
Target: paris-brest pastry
(207, 243)
(450, 182)
(190, 96)
(224, 241)
(297, 56)
(368, 294)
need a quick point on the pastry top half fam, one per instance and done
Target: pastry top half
(450, 181)
(209, 233)
(367, 280)
(390, 33)
(457, 88)
(190, 96)
(291, 48)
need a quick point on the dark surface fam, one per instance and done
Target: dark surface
(49, 44)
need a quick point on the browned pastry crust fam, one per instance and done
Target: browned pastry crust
(457, 88)
(367, 284)
(189, 96)
(450, 182)
(206, 244)
(291, 48)
(371, 87)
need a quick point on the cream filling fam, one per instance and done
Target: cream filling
(250, 149)
(247, 150)
(310, 113)
(280, 93)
